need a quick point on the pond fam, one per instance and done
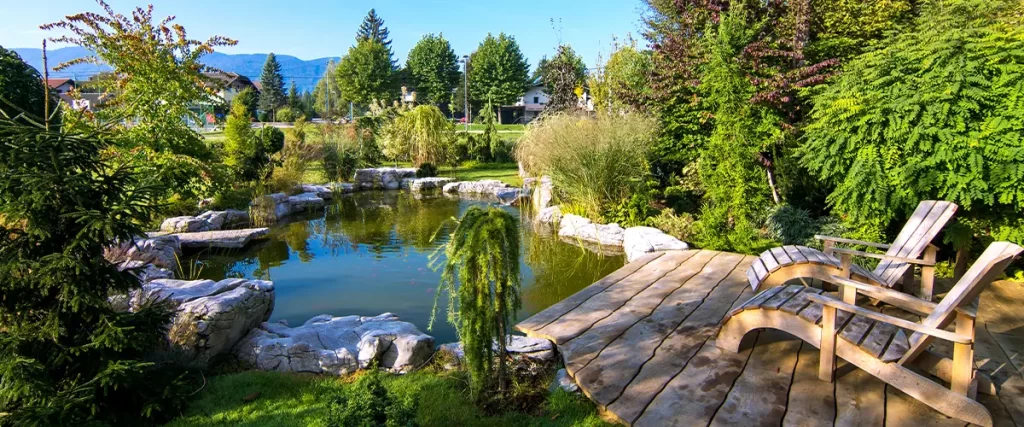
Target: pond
(370, 253)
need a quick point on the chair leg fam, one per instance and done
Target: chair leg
(926, 289)
(827, 364)
(963, 357)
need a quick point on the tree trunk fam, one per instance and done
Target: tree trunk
(963, 256)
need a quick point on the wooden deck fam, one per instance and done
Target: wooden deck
(640, 343)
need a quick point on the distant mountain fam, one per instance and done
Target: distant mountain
(305, 74)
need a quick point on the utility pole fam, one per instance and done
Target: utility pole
(327, 84)
(46, 89)
(465, 92)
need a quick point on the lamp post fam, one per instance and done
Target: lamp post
(465, 92)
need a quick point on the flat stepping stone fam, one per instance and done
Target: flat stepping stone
(229, 239)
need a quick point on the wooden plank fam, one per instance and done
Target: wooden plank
(811, 313)
(579, 351)
(782, 256)
(812, 402)
(759, 269)
(878, 338)
(760, 394)
(897, 348)
(782, 297)
(760, 298)
(604, 379)
(813, 255)
(693, 396)
(678, 350)
(856, 329)
(601, 305)
(797, 303)
(559, 309)
(902, 410)
(860, 397)
(933, 223)
(795, 254)
(769, 261)
(913, 223)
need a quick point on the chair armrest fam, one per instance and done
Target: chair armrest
(884, 257)
(895, 321)
(905, 301)
(851, 241)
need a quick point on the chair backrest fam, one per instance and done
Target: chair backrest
(990, 265)
(928, 219)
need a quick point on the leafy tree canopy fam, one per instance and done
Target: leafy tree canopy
(623, 82)
(936, 112)
(365, 73)
(498, 71)
(563, 76)
(434, 69)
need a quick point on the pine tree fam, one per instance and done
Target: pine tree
(67, 355)
(373, 28)
(293, 98)
(272, 95)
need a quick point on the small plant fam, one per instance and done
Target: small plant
(676, 225)
(426, 170)
(631, 212)
(369, 404)
(790, 225)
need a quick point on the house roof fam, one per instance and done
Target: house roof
(55, 83)
(257, 84)
(228, 79)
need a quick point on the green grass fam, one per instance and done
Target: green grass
(479, 127)
(301, 400)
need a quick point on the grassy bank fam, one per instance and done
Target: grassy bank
(277, 399)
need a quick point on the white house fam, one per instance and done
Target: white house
(536, 100)
(229, 84)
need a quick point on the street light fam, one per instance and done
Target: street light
(465, 92)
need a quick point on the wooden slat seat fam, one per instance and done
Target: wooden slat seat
(776, 266)
(876, 342)
(877, 338)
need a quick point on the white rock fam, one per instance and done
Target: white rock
(325, 192)
(337, 345)
(487, 186)
(577, 227)
(235, 219)
(211, 316)
(214, 220)
(383, 178)
(451, 187)
(537, 349)
(543, 193)
(638, 241)
(162, 251)
(564, 381)
(146, 271)
(232, 239)
(549, 215)
(425, 184)
(508, 196)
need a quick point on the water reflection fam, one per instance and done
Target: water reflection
(368, 253)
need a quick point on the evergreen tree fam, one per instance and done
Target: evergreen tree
(434, 69)
(250, 99)
(20, 87)
(67, 355)
(373, 28)
(498, 71)
(272, 95)
(293, 98)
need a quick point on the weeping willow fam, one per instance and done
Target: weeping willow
(481, 278)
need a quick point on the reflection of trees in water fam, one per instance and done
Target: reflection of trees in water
(419, 218)
(259, 257)
(365, 219)
(560, 269)
(296, 235)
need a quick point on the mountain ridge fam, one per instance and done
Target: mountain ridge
(305, 73)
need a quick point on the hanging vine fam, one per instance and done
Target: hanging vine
(481, 278)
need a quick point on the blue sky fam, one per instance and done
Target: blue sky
(311, 29)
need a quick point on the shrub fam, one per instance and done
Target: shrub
(790, 225)
(369, 404)
(67, 357)
(631, 212)
(286, 114)
(420, 135)
(340, 151)
(679, 226)
(426, 170)
(594, 162)
(262, 116)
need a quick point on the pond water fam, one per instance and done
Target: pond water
(370, 253)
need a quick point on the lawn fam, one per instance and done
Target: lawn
(468, 171)
(477, 127)
(279, 399)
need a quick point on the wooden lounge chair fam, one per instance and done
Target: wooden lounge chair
(776, 266)
(885, 351)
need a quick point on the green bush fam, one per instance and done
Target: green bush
(426, 170)
(790, 225)
(369, 404)
(286, 114)
(263, 116)
(631, 212)
(594, 162)
(340, 151)
(679, 226)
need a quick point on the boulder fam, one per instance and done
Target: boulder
(451, 187)
(337, 345)
(211, 317)
(345, 187)
(383, 178)
(235, 219)
(638, 241)
(231, 239)
(159, 250)
(564, 381)
(577, 227)
(214, 220)
(543, 193)
(325, 192)
(417, 185)
(487, 186)
(145, 271)
(509, 195)
(183, 224)
(305, 201)
(549, 215)
(535, 349)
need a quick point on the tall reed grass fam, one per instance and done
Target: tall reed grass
(596, 163)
